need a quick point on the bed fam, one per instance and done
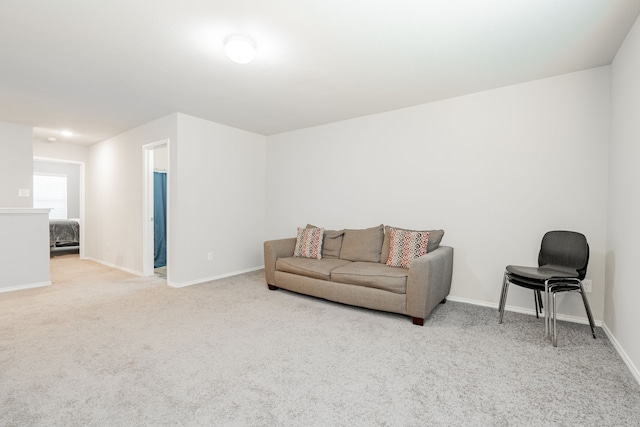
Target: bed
(64, 236)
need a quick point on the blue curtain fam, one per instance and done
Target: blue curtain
(160, 219)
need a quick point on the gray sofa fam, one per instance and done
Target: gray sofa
(353, 270)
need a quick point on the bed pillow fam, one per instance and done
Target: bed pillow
(405, 246)
(362, 244)
(309, 243)
(435, 237)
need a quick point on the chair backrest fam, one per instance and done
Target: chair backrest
(566, 249)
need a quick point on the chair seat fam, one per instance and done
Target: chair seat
(564, 287)
(543, 273)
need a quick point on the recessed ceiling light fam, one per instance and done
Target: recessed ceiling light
(240, 49)
(51, 139)
(66, 133)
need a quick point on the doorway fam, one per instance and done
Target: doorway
(156, 208)
(74, 174)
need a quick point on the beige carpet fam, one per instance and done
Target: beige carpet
(106, 348)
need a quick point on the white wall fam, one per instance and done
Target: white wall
(161, 159)
(622, 296)
(72, 172)
(495, 169)
(16, 164)
(114, 199)
(216, 198)
(221, 201)
(68, 159)
(24, 256)
(60, 151)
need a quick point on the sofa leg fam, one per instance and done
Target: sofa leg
(272, 288)
(444, 300)
(418, 321)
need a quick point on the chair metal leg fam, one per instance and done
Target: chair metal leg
(555, 328)
(504, 279)
(503, 297)
(553, 314)
(540, 299)
(538, 302)
(547, 319)
(588, 310)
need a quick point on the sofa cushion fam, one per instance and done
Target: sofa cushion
(316, 268)
(362, 245)
(405, 246)
(373, 275)
(309, 243)
(435, 237)
(331, 243)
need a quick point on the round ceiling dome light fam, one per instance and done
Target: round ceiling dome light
(240, 49)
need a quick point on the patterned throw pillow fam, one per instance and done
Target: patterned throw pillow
(405, 245)
(309, 243)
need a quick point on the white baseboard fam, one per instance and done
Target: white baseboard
(182, 284)
(627, 360)
(532, 312)
(472, 301)
(27, 286)
(108, 264)
(209, 279)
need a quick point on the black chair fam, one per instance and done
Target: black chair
(562, 265)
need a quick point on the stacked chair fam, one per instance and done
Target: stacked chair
(562, 265)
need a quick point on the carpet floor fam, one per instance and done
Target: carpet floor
(101, 347)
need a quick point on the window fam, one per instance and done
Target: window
(50, 191)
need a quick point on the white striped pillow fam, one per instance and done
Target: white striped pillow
(405, 246)
(309, 243)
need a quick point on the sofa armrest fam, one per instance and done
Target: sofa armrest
(429, 281)
(274, 249)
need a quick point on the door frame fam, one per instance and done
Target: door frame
(147, 205)
(83, 227)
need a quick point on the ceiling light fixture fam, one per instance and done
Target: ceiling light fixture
(240, 49)
(51, 139)
(66, 133)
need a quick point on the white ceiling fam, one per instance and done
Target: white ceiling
(102, 67)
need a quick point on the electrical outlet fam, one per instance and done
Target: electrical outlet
(586, 284)
(210, 256)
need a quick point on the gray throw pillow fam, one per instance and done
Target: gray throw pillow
(363, 244)
(332, 242)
